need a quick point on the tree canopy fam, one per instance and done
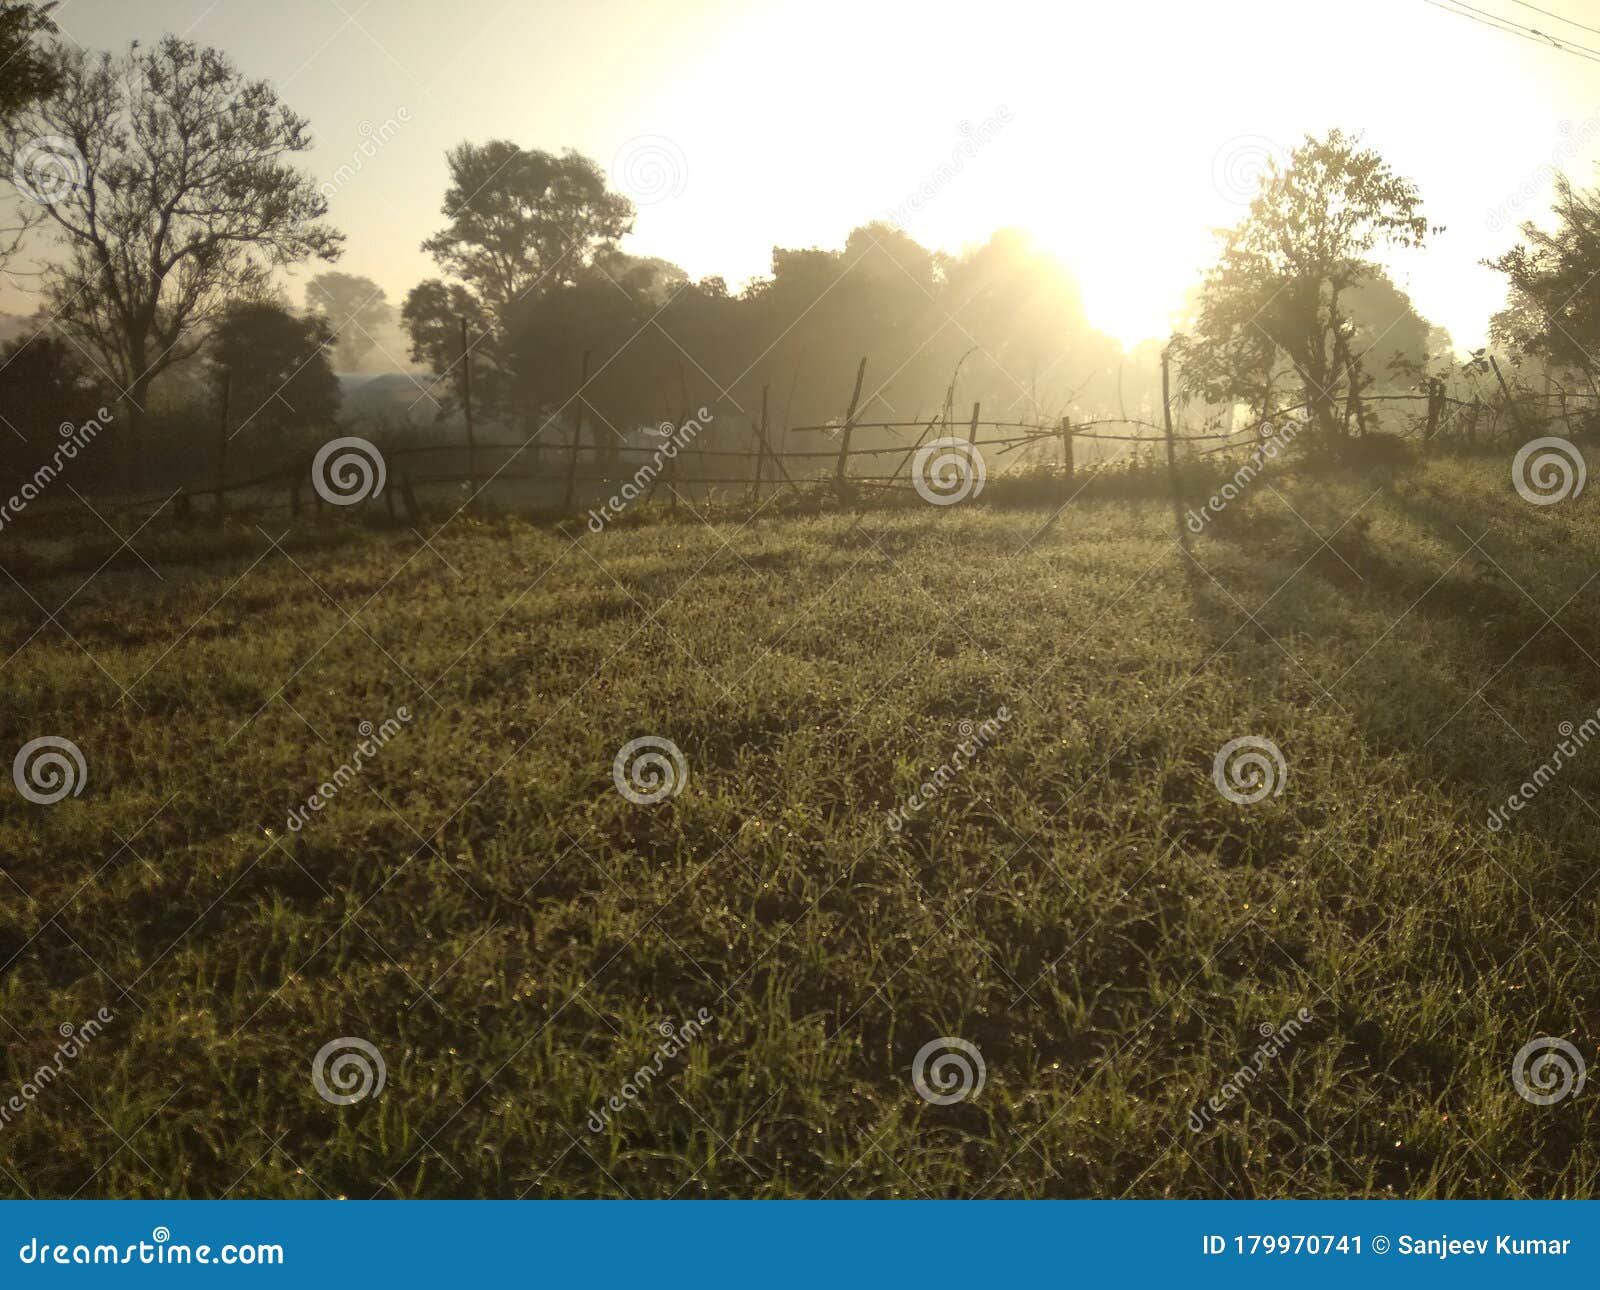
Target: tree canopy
(1279, 293)
(186, 199)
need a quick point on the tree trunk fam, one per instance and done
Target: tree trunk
(134, 404)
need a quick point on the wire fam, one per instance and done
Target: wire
(1494, 21)
(1550, 13)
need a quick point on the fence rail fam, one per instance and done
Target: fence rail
(766, 465)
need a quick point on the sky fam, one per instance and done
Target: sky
(1120, 135)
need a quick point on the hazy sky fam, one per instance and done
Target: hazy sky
(1119, 130)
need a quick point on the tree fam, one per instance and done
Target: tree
(188, 200)
(355, 308)
(1277, 290)
(30, 73)
(522, 218)
(44, 392)
(277, 365)
(27, 74)
(1551, 308)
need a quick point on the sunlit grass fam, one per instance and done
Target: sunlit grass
(1080, 902)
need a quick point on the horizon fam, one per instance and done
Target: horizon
(719, 178)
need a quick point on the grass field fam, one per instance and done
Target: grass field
(1077, 900)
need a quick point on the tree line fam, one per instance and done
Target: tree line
(169, 192)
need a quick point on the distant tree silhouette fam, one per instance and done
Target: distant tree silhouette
(188, 201)
(1280, 288)
(432, 319)
(44, 385)
(355, 308)
(281, 379)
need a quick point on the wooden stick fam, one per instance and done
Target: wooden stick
(1172, 453)
(850, 420)
(577, 435)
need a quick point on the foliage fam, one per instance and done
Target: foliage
(1552, 309)
(521, 219)
(277, 367)
(189, 200)
(1277, 294)
(29, 71)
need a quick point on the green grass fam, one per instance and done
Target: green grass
(1080, 902)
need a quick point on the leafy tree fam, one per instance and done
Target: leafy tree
(188, 200)
(521, 218)
(44, 386)
(278, 369)
(355, 308)
(1552, 309)
(27, 74)
(432, 317)
(30, 73)
(1278, 292)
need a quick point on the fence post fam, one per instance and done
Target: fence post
(577, 435)
(972, 434)
(1172, 452)
(1068, 465)
(850, 423)
(1435, 398)
(761, 446)
(1511, 407)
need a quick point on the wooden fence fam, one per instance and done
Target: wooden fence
(1428, 417)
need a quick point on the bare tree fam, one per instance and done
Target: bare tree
(167, 176)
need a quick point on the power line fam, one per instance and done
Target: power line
(1550, 13)
(1497, 23)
